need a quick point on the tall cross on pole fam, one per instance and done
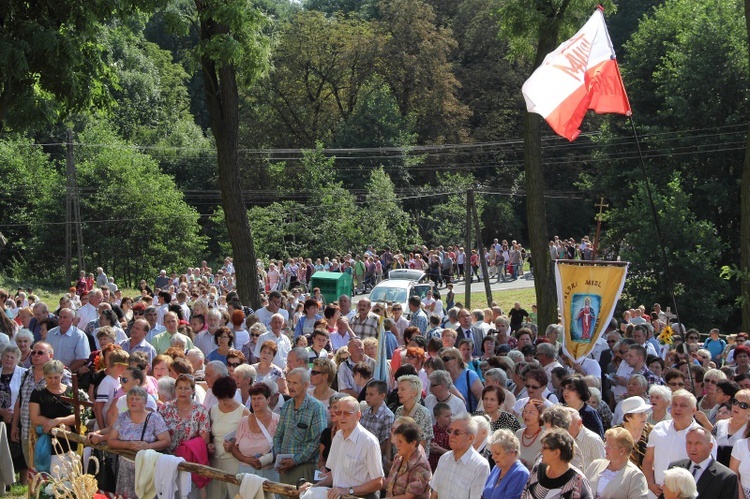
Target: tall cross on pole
(599, 218)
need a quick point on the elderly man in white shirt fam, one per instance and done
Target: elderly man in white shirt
(462, 472)
(277, 335)
(355, 459)
(666, 442)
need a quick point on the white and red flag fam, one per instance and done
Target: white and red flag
(581, 74)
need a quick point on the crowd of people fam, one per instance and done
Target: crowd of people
(473, 403)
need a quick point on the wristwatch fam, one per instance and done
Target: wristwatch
(351, 491)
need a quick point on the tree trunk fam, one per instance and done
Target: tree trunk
(536, 211)
(536, 214)
(745, 213)
(223, 107)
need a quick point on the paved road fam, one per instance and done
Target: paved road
(459, 288)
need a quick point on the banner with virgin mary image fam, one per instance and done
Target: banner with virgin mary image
(587, 294)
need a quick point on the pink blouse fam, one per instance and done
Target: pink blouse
(252, 444)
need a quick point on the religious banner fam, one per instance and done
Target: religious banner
(587, 294)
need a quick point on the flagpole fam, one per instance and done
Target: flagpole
(667, 274)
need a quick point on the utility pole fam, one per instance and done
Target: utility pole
(599, 218)
(72, 211)
(467, 249)
(69, 205)
(482, 259)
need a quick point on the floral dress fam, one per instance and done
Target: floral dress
(411, 477)
(182, 430)
(128, 430)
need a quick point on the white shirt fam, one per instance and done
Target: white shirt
(241, 336)
(741, 452)
(591, 444)
(460, 479)
(457, 406)
(105, 392)
(669, 446)
(86, 314)
(591, 367)
(625, 371)
(355, 460)
(210, 399)
(282, 342)
(701, 467)
(264, 315)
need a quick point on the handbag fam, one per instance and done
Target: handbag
(42, 451)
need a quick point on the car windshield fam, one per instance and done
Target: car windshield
(406, 274)
(387, 294)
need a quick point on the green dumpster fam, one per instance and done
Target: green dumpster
(331, 284)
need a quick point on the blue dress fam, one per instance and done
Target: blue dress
(215, 355)
(510, 487)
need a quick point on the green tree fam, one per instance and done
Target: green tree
(693, 251)
(388, 225)
(534, 31)
(26, 171)
(414, 61)
(319, 67)
(443, 221)
(375, 122)
(52, 58)
(130, 211)
(231, 44)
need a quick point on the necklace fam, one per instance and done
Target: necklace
(524, 437)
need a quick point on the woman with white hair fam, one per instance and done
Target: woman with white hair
(480, 441)
(509, 476)
(679, 484)
(660, 398)
(409, 394)
(595, 401)
(24, 339)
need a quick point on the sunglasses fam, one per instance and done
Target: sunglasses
(676, 384)
(611, 341)
(314, 372)
(38, 352)
(234, 364)
(339, 413)
(741, 405)
(255, 336)
(136, 312)
(458, 433)
(124, 380)
(446, 359)
(532, 387)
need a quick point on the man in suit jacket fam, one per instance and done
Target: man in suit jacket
(713, 479)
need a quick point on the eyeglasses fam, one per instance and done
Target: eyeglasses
(343, 413)
(446, 359)
(710, 381)
(124, 380)
(458, 433)
(741, 405)
(611, 341)
(532, 387)
(234, 364)
(314, 372)
(38, 352)
(569, 388)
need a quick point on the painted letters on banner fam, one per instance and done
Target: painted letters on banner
(587, 295)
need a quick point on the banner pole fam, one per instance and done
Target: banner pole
(657, 225)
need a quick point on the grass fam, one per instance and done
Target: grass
(505, 298)
(18, 491)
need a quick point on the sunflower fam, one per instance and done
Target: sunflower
(666, 336)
